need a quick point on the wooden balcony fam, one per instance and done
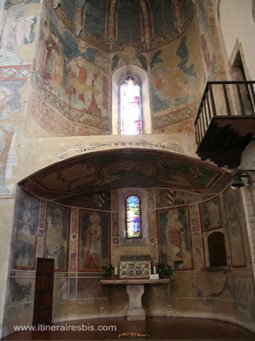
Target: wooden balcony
(225, 122)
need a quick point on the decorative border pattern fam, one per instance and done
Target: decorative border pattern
(15, 72)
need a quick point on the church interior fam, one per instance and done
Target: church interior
(127, 168)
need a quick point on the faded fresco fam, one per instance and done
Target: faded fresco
(80, 77)
(206, 40)
(26, 231)
(57, 234)
(94, 240)
(170, 197)
(17, 31)
(234, 222)
(11, 98)
(211, 214)
(21, 290)
(237, 288)
(176, 75)
(165, 96)
(7, 157)
(174, 238)
(129, 55)
(95, 200)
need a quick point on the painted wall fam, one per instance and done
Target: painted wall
(72, 82)
(176, 74)
(29, 142)
(18, 37)
(176, 226)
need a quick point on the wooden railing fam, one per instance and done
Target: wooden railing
(226, 99)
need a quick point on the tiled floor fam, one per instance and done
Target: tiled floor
(155, 328)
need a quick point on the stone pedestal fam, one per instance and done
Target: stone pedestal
(135, 290)
(135, 308)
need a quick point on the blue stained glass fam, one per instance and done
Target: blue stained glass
(133, 216)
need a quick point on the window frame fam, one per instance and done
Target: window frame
(126, 218)
(142, 77)
(141, 116)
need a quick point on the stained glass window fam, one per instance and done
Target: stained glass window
(133, 217)
(130, 107)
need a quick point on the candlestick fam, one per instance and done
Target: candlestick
(154, 269)
(116, 271)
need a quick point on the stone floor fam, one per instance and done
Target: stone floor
(156, 328)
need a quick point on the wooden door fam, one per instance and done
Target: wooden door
(43, 291)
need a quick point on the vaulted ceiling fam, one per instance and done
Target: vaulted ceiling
(102, 171)
(148, 23)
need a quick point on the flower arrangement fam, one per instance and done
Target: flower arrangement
(163, 270)
(107, 271)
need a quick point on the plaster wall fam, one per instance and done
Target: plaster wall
(238, 28)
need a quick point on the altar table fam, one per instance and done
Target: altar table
(135, 290)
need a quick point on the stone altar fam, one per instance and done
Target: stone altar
(135, 290)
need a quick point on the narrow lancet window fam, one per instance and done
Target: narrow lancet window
(133, 217)
(130, 107)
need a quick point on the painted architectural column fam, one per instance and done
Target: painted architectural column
(111, 21)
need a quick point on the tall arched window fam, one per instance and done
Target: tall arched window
(133, 217)
(130, 107)
(141, 78)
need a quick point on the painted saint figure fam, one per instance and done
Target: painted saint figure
(93, 250)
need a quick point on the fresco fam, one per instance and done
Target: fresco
(167, 79)
(211, 214)
(131, 31)
(234, 221)
(17, 30)
(94, 240)
(10, 98)
(206, 39)
(96, 201)
(7, 156)
(174, 238)
(95, 21)
(111, 169)
(240, 289)
(78, 80)
(129, 55)
(57, 234)
(26, 231)
(177, 74)
(73, 80)
(21, 290)
(166, 198)
(89, 288)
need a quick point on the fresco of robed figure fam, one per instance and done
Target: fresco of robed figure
(57, 235)
(174, 238)
(94, 241)
(26, 232)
